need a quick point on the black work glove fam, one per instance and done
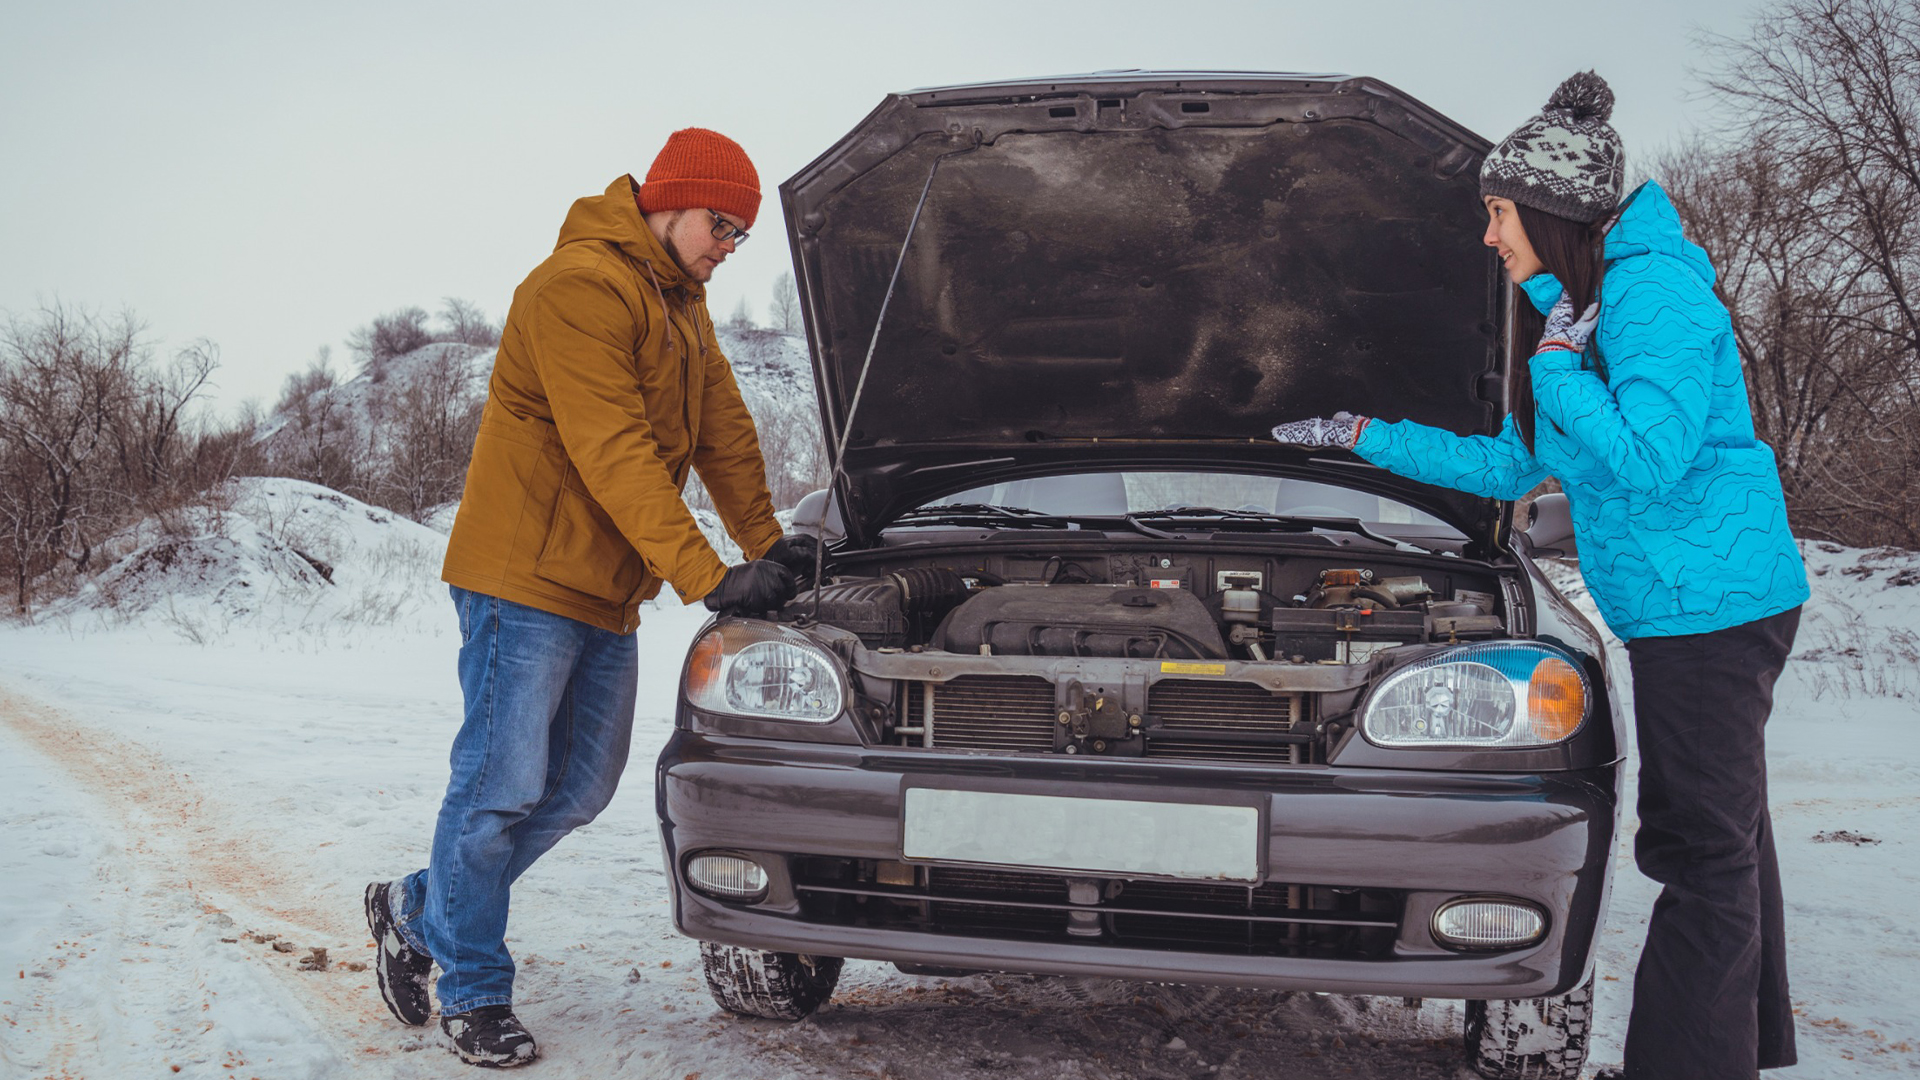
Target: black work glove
(752, 588)
(797, 552)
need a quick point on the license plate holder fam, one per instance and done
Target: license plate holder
(1101, 837)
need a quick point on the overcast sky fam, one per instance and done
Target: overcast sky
(270, 176)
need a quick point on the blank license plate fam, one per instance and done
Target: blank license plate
(1107, 836)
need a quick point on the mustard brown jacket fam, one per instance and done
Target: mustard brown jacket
(608, 388)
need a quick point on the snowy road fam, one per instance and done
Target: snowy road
(165, 803)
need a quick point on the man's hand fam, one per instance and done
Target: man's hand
(799, 553)
(1339, 431)
(752, 588)
(1566, 332)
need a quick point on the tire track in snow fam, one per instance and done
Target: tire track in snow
(173, 886)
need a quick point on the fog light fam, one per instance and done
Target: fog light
(729, 877)
(1488, 924)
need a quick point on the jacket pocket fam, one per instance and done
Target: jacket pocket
(585, 551)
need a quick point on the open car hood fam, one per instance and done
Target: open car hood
(1138, 270)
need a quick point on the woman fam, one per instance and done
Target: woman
(1639, 407)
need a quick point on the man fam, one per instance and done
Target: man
(608, 387)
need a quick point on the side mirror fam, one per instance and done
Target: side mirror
(1549, 528)
(818, 515)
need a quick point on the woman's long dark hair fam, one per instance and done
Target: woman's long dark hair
(1570, 251)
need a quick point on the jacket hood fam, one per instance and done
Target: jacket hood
(614, 218)
(1134, 269)
(1649, 227)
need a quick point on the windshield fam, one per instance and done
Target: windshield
(1119, 493)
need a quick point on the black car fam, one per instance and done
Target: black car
(1103, 681)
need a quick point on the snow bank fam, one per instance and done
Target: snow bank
(1861, 633)
(285, 557)
(279, 556)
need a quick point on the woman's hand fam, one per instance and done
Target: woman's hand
(1566, 332)
(1341, 431)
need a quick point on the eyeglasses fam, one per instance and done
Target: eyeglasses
(724, 230)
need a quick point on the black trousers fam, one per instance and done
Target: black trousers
(1710, 997)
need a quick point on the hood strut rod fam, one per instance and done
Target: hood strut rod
(860, 384)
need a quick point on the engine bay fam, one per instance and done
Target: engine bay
(1155, 606)
(1251, 656)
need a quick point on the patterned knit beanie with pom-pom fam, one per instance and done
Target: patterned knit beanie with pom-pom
(1567, 160)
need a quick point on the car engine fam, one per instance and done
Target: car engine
(1332, 614)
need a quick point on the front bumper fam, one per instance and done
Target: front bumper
(1415, 838)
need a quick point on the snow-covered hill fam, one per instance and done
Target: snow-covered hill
(284, 557)
(770, 366)
(274, 557)
(446, 370)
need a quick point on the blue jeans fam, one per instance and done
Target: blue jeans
(549, 713)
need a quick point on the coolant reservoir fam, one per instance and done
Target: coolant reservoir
(1240, 606)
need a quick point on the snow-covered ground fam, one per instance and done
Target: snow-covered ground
(196, 783)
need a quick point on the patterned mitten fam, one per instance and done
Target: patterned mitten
(1566, 332)
(1341, 430)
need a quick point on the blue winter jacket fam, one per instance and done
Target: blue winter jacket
(1676, 506)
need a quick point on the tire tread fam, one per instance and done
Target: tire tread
(771, 985)
(1494, 1030)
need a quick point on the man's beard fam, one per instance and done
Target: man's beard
(699, 271)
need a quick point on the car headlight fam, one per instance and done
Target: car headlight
(763, 670)
(1497, 696)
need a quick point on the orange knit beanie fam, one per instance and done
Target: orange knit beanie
(702, 169)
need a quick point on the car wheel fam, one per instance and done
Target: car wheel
(774, 985)
(1531, 1039)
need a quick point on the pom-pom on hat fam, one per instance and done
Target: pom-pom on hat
(701, 169)
(1567, 160)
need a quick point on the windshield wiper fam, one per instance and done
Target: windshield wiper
(983, 514)
(976, 508)
(991, 515)
(1298, 523)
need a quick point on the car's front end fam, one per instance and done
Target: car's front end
(1102, 680)
(1432, 820)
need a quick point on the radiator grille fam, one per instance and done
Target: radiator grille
(1223, 708)
(987, 712)
(1273, 919)
(1017, 713)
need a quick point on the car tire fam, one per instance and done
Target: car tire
(1531, 1039)
(773, 985)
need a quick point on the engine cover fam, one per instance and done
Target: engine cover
(1083, 620)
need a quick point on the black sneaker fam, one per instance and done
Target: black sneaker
(490, 1036)
(399, 968)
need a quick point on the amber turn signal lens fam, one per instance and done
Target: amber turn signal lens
(703, 667)
(1556, 699)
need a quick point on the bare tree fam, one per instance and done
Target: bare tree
(95, 435)
(783, 314)
(316, 438)
(742, 317)
(429, 419)
(152, 434)
(394, 334)
(467, 324)
(1808, 201)
(63, 374)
